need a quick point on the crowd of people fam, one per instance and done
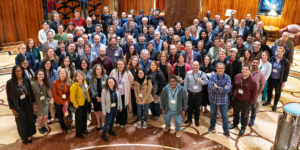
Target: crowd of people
(128, 65)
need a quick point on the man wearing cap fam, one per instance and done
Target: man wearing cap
(42, 33)
(138, 19)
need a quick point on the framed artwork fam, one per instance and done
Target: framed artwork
(265, 6)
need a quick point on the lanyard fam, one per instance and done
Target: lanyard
(21, 87)
(173, 95)
(145, 64)
(178, 71)
(119, 78)
(62, 87)
(41, 88)
(194, 77)
(88, 57)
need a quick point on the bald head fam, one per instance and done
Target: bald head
(97, 39)
(285, 36)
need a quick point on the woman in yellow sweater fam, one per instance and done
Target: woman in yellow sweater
(79, 96)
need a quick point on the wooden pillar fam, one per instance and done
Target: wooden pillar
(183, 11)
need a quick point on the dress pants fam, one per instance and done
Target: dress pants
(133, 102)
(60, 116)
(274, 83)
(242, 107)
(25, 121)
(110, 119)
(122, 116)
(81, 119)
(194, 103)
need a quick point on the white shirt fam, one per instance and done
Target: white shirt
(43, 35)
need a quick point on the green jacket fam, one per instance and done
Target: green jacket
(37, 56)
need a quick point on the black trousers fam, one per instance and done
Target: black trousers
(81, 119)
(242, 107)
(25, 121)
(60, 116)
(122, 116)
(194, 103)
(133, 102)
(274, 83)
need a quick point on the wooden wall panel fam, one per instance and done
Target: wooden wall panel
(289, 14)
(137, 5)
(20, 20)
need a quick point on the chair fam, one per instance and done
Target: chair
(294, 31)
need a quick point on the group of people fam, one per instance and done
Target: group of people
(134, 63)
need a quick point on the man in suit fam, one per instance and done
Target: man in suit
(288, 43)
(138, 19)
(243, 30)
(260, 29)
(54, 24)
(189, 55)
(155, 19)
(281, 42)
(50, 42)
(211, 33)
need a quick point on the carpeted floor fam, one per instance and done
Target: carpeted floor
(259, 137)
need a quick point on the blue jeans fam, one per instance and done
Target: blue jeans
(110, 119)
(140, 111)
(177, 119)
(154, 107)
(213, 115)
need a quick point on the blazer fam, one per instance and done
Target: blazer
(77, 95)
(289, 44)
(197, 57)
(93, 85)
(287, 53)
(144, 89)
(53, 25)
(13, 102)
(29, 57)
(138, 20)
(203, 52)
(285, 68)
(245, 33)
(46, 46)
(106, 102)
(90, 30)
(93, 55)
(57, 91)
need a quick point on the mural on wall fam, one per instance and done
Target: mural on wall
(265, 6)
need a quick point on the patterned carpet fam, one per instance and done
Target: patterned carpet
(259, 137)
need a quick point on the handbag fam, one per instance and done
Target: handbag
(72, 108)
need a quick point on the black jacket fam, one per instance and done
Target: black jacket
(236, 67)
(285, 68)
(203, 52)
(180, 33)
(228, 67)
(90, 30)
(159, 81)
(53, 25)
(75, 59)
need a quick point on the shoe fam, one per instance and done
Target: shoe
(68, 131)
(187, 121)
(41, 130)
(230, 107)
(251, 123)
(155, 118)
(178, 133)
(242, 131)
(232, 126)
(133, 115)
(139, 124)
(227, 134)
(111, 132)
(80, 137)
(197, 123)
(104, 138)
(167, 128)
(48, 122)
(152, 117)
(117, 125)
(85, 132)
(29, 141)
(24, 142)
(57, 120)
(210, 130)
(45, 129)
(240, 119)
(266, 103)
(98, 129)
(144, 125)
(274, 108)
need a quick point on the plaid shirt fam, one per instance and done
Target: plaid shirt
(219, 97)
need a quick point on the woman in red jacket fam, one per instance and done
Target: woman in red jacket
(180, 69)
(61, 95)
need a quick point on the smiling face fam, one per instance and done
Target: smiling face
(67, 62)
(25, 64)
(19, 72)
(134, 61)
(84, 64)
(79, 77)
(141, 74)
(23, 49)
(121, 66)
(98, 70)
(31, 44)
(111, 83)
(47, 65)
(40, 75)
(62, 74)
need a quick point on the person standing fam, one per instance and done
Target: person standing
(54, 24)
(30, 46)
(133, 66)
(104, 19)
(79, 96)
(104, 60)
(77, 20)
(22, 103)
(142, 91)
(193, 82)
(173, 103)
(244, 89)
(219, 86)
(259, 77)
(266, 67)
(278, 77)
(111, 104)
(114, 52)
(25, 55)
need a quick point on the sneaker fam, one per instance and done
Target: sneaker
(251, 123)
(111, 132)
(45, 129)
(266, 103)
(145, 125)
(210, 130)
(178, 133)
(227, 134)
(41, 130)
(104, 138)
(139, 124)
(187, 121)
(167, 128)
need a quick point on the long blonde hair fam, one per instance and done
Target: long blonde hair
(46, 57)
(69, 81)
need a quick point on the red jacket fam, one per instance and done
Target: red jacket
(186, 68)
(80, 22)
(51, 5)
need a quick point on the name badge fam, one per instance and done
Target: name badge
(86, 86)
(120, 86)
(89, 34)
(73, 64)
(22, 96)
(275, 70)
(42, 97)
(113, 105)
(241, 91)
(140, 95)
(116, 54)
(195, 87)
(63, 95)
(180, 79)
(103, 82)
(36, 61)
(173, 101)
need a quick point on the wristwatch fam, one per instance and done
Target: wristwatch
(218, 88)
